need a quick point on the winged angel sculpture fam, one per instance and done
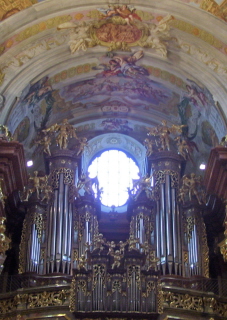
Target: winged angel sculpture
(79, 36)
(158, 34)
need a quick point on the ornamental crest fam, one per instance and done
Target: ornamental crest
(119, 28)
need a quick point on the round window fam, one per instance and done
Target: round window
(115, 171)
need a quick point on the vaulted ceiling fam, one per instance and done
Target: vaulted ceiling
(111, 68)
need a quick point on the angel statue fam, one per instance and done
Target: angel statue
(142, 184)
(163, 132)
(65, 131)
(38, 183)
(79, 36)
(82, 145)
(157, 35)
(45, 142)
(117, 259)
(149, 146)
(86, 183)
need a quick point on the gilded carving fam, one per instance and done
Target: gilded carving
(223, 249)
(68, 177)
(134, 271)
(184, 301)
(22, 254)
(219, 10)
(9, 7)
(190, 227)
(46, 299)
(72, 298)
(8, 305)
(37, 185)
(37, 219)
(143, 184)
(99, 272)
(150, 287)
(4, 240)
(192, 186)
(205, 251)
(116, 286)
(82, 286)
(160, 177)
(160, 297)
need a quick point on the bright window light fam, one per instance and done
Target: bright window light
(29, 163)
(115, 171)
(202, 166)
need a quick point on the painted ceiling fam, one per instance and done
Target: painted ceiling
(114, 67)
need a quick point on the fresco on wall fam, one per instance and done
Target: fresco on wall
(198, 112)
(22, 130)
(119, 86)
(33, 110)
(114, 124)
(118, 77)
(209, 136)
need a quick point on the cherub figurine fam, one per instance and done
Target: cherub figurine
(48, 193)
(111, 246)
(99, 242)
(46, 142)
(191, 186)
(86, 183)
(38, 184)
(117, 259)
(142, 184)
(149, 146)
(83, 144)
(122, 246)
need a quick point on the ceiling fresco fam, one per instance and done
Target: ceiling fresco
(116, 68)
(218, 8)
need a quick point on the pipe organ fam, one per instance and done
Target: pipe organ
(61, 235)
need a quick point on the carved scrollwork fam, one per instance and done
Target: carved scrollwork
(136, 271)
(37, 219)
(82, 286)
(68, 177)
(22, 254)
(72, 298)
(46, 299)
(205, 251)
(190, 226)
(116, 286)
(160, 177)
(99, 272)
(150, 288)
(160, 297)
(184, 301)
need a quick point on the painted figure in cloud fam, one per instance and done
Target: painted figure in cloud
(124, 66)
(38, 91)
(126, 12)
